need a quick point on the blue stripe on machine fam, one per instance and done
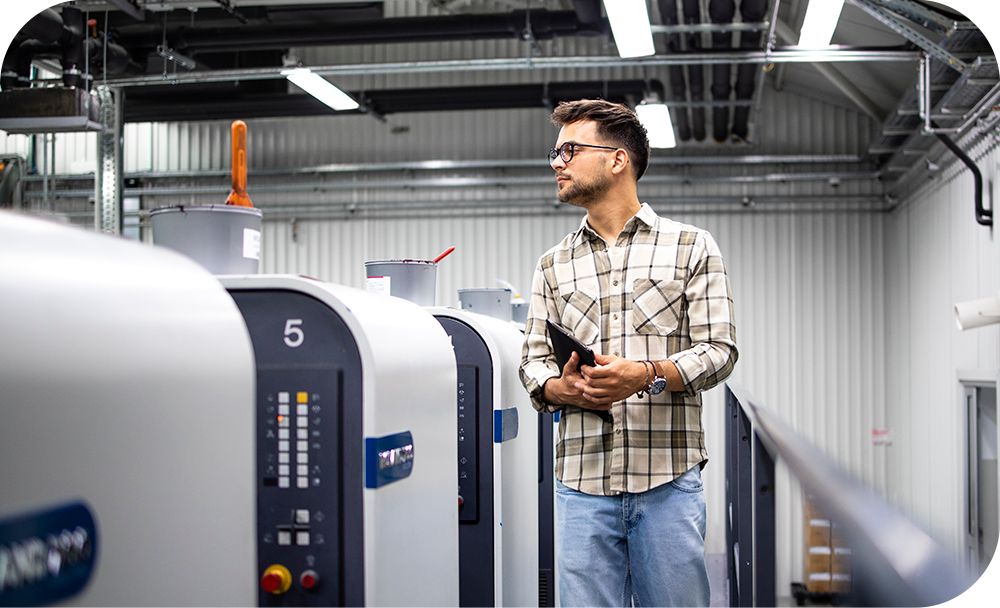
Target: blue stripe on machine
(504, 424)
(388, 459)
(48, 555)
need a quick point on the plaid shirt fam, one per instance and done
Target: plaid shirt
(661, 292)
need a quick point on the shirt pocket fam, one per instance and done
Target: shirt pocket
(657, 306)
(581, 316)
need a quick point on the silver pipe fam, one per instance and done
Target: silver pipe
(768, 47)
(708, 28)
(784, 55)
(462, 165)
(476, 182)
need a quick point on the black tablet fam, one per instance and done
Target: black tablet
(563, 343)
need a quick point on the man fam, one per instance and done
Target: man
(652, 299)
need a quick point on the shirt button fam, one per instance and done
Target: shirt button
(617, 354)
(615, 316)
(619, 431)
(615, 283)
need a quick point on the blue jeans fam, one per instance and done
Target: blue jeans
(643, 549)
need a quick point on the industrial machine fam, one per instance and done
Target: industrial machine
(498, 463)
(127, 473)
(355, 446)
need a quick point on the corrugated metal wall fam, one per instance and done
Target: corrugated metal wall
(936, 255)
(808, 282)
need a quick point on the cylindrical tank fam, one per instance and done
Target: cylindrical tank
(492, 302)
(413, 280)
(225, 239)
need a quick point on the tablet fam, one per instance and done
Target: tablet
(563, 344)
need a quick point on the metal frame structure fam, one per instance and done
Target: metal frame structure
(896, 563)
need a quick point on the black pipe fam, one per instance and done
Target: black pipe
(219, 100)
(72, 43)
(545, 25)
(588, 11)
(46, 27)
(118, 59)
(696, 73)
(721, 11)
(984, 216)
(678, 84)
(752, 11)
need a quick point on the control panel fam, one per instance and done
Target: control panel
(310, 535)
(477, 559)
(468, 444)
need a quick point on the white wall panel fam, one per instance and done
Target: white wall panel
(809, 296)
(937, 255)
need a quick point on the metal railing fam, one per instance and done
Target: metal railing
(894, 562)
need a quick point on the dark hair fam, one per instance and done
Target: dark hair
(616, 122)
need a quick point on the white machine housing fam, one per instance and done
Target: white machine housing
(125, 374)
(408, 384)
(515, 470)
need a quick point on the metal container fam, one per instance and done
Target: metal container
(492, 302)
(413, 280)
(225, 239)
(519, 312)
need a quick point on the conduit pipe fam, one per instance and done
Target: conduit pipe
(751, 11)
(678, 84)
(984, 216)
(696, 72)
(721, 11)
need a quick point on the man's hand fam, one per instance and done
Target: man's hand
(567, 389)
(613, 379)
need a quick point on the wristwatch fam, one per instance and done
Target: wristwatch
(655, 386)
(658, 384)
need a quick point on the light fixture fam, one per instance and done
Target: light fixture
(630, 26)
(820, 22)
(978, 313)
(656, 118)
(320, 88)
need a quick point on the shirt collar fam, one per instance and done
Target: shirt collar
(645, 215)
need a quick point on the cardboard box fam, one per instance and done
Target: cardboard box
(817, 559)
(819, 582)
(817, 533)
(840, 583)
(841, 560)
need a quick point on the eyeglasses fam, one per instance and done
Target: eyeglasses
(568, 149)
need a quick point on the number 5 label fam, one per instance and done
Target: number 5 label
(294, 336)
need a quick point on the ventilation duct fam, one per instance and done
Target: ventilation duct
(752, 11)
(678, 84)
(721, 12)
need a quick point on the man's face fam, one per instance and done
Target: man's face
(587, 176)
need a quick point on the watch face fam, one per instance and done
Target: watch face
(657, 386)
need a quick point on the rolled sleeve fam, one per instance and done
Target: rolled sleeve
(713, 352)
(538, 363)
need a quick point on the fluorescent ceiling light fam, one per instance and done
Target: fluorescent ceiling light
(630, 26)
(820, 21)
(656, 118)
(320, 88)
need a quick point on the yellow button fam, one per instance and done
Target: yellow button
(302, 397)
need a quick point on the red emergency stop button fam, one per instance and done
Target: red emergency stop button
(276, 579)
(309, 579)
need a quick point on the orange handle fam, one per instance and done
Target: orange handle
(239, 195)
(443, 254)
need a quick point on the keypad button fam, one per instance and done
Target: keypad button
(302, 482)
(302, 421)
(302, 517)
(302, 434)
(302, 469)
(283, 397)
(302, 458)
(283, 409)
(283, 458)
(283, 469)
(302, 410)
(284, 537)
(282, 433)
(302, 538)
(282, 446)
(302, 397)
(302, 446)
(283, 482)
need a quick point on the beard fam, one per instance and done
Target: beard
(581, 194)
